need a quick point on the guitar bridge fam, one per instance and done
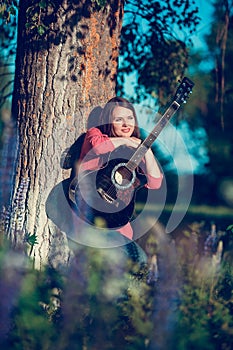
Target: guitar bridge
(106, 197)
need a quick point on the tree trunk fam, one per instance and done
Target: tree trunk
(61, 75)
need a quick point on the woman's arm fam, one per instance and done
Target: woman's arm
(153, 173)
(152, 170)
(101, 143)
(125, 141)
(152, 167)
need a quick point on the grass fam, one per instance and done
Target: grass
(219, 214)
(205, 209)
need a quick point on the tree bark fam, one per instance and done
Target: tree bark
(60, 77)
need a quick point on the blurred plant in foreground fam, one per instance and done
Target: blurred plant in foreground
(102, 300)
(205, 313)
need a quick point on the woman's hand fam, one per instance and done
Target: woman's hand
(133, 142)
(125, 141)
(152, 167)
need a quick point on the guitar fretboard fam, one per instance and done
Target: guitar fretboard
(140, 152)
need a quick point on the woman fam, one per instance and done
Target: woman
(118, 127)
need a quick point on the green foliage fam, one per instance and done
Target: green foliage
(99, 303)
(32, 328)
(230, 228)
(205, 312)
(148, 44)
(100, 3)
(151, 48)
(100, 285)
(8, 8)
(212, 103)
(100, 298)
(38, 21)
(8, 22)
(35, 17)
(31, 239)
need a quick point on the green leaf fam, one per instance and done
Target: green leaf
(31, 239)
(35, 17)
(41, 29)
(230, 228)
(30, 25)
(101, 3)
(42, 4)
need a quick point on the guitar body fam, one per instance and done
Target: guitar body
(109, 192)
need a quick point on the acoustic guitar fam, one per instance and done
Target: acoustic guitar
(107, 195)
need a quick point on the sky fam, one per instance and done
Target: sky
(205, 12)
(184, 146)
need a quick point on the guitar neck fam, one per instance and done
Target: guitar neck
(140, 152)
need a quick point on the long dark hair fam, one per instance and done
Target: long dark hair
(106, 116)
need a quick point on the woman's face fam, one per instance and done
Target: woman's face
(123, 122)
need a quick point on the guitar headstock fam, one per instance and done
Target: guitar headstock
(184, 90)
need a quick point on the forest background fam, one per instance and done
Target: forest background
(157, 49)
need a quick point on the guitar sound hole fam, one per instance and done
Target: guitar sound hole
(122, 177)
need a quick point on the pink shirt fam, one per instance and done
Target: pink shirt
(94, 147)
